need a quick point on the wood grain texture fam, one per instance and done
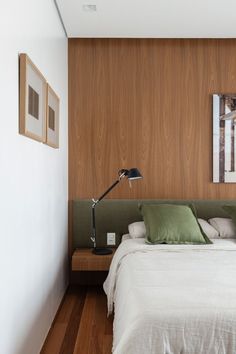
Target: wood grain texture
(146, 103)
(84, 259)
(81, 326)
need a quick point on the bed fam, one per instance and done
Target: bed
(173, 299)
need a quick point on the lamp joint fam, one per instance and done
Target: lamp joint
(95, 201)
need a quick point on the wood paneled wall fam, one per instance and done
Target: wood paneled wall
(146, 103)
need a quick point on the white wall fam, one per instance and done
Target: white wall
(33, 183)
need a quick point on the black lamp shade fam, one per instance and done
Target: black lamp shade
(134, 173)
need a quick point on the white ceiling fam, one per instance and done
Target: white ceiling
(150, 18)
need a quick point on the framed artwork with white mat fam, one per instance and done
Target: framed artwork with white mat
(33, 88)
(52, 129)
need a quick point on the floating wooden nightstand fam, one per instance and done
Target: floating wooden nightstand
(84, 260)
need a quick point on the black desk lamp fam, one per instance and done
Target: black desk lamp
(131, 174)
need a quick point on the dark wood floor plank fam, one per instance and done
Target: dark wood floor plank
(99, 317)
(107, 344)
(54, 339)
(84, 337)
(68, 305)
(69, 341)
(81, 325)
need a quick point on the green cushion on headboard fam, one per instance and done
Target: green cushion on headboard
(115, 216)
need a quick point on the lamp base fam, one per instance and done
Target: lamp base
(101, 251)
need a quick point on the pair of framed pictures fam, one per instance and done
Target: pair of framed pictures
(39, 105)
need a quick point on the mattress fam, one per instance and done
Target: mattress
(173, 299)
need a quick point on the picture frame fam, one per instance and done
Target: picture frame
(224, 138)
(52, 126)
(32, 114)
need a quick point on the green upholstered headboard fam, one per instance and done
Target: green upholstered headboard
(115, 216)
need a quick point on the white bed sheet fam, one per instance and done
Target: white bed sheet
(173, 299)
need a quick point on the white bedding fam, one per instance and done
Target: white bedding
(173, 299)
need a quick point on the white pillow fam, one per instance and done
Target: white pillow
(125, 237)
(208, 229)
(137, 229)
(224, 226)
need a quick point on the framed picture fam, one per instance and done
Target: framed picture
(32, 100)
(224, 138)
(53, 103)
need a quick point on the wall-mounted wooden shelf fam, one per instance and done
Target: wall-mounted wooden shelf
(84, 260)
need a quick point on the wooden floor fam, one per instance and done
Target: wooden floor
(81, 325)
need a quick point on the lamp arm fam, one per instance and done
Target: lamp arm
(122, 174)
(107, 191)
(96, 201)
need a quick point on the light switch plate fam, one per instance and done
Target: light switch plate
(111, 238)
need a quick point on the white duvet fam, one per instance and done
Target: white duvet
(173, 299)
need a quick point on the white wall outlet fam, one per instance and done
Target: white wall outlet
(111, 238)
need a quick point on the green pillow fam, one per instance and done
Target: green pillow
(231, 210)
(172, 224)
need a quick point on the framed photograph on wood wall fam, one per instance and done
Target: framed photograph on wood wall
(33, 88)
(224, 138)
(53, 104)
